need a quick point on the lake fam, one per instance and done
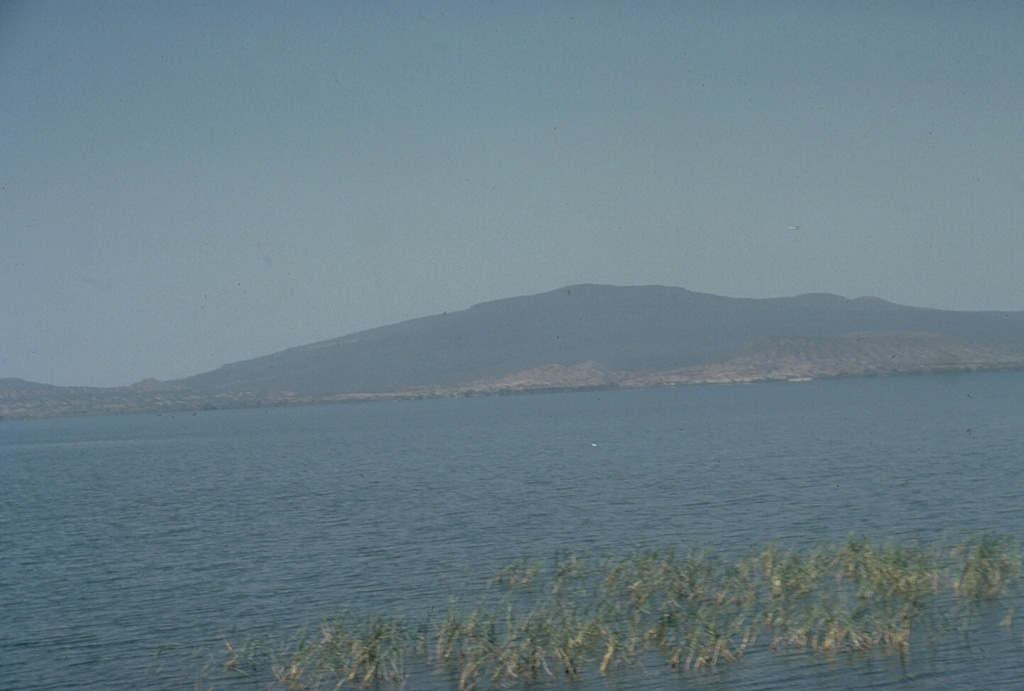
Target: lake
(131, 546)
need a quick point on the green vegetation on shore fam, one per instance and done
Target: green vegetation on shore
(572, 616)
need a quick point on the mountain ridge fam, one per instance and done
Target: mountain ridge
(580, 336)
(638, 329)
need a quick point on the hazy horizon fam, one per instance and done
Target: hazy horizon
(557, 290)
(186, 186)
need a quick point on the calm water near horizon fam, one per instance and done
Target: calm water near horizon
(127, 543)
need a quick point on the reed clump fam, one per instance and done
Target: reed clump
(343, 651)
(986, 567)
(565, 617)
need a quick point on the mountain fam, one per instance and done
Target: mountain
(622, 334)
(598, 336)
(605, 335)
(13, 383)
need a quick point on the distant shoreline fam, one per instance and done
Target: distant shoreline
(43, 401)
(578, 338)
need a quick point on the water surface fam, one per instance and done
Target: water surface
(128, 542)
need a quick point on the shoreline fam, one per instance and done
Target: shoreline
(35, 402)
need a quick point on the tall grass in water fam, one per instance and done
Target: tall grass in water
(986, 567)
(342, 651)
(571, 616)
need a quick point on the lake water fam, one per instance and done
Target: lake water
(127, 543)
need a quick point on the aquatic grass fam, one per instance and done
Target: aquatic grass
(739, 584)
(293, 666)
(570, 632)
(840, 627)
(465, 643)
(570, 569)
(641, 576)
(621, 635)
(986, 567)
(520, 573)
(793, 573)
(248, 656)
(890, 570)
(695, 636)
(377, 652)
(343, 651)
(551, 640)
(697, 576)
(562, 617)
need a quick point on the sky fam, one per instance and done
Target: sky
(184, 185)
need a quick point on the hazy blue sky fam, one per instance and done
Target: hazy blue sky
(185, 184)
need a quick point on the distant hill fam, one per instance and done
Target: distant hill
(618, 333)
(12, 383)
(582, 336)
